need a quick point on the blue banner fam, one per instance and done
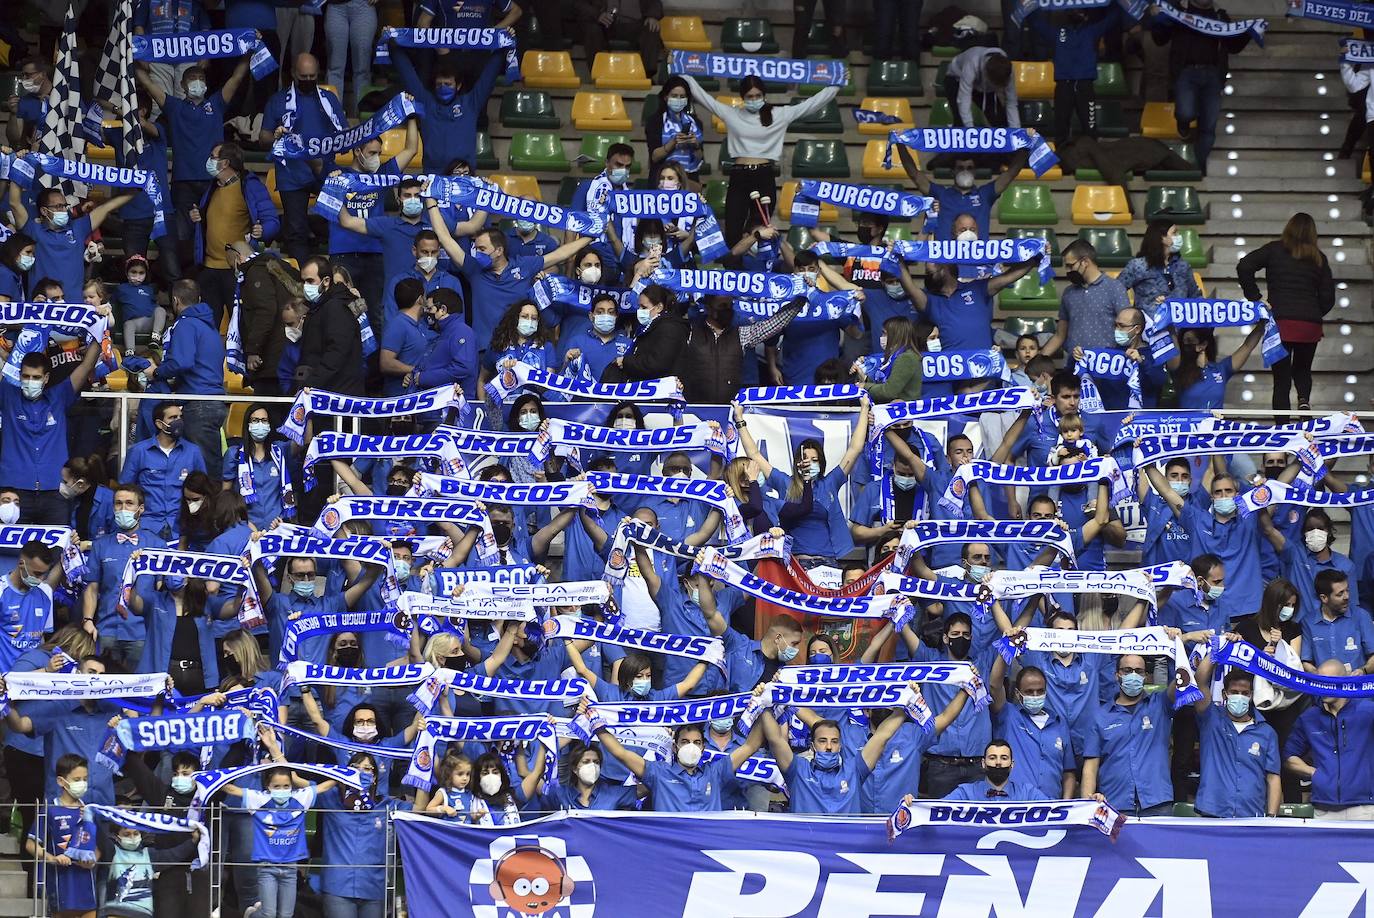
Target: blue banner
(768, 69)
(1339, 11)
(585, 865)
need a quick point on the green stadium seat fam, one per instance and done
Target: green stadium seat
(1110, 121)
(538, 151)
(486, 157)
(1184, 150)
(1112, 243)
(799, 237)
(894, 78)
(1178, 203)
(1016, 326)
(1027, 204)
(1039, 232)
(567, 190)
(1038, 114)
(711, 84)
(899, 232)
(817, 39)
(1183, 809)
(825, 121)
(534, 35)
(1297, 811)
(592, 152)
(938, 87)
(1111, 81)
(946, 51)
(1193, 251)
(525, 108)
(748, 36)
(1029, 295)
(941, 116)
(714, 192)
(819, 159)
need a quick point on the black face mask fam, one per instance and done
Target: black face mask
(396, 490)
(501, 531)
(348, 656)
(1077, 279)
(229, 666)
(997, 774)
(306, 85)
(1273, 471)
(865, 234)
(456, 663)
(958, 647)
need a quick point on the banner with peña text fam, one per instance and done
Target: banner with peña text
(608, 865)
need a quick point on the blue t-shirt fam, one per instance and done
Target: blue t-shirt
(136, 301)
(1208, 392)
(24, 616)
(492, 292)
(34, 448)
(964, 317)
(409, 340)
(818, 790)
(63, 830)
(59, 254)
(278, 829)
(977, 203)
(1041, 753)
(678, 791)
(1235, 765)
(195, 129)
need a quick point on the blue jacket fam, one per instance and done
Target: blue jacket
(194, 361)
(451, 358)
(1075, 47)
(449, 131)
(260, 210)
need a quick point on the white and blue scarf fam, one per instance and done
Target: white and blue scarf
(672, 713)
(1106, 364)
(992, 252)
(426, 695)
(476, 195)
(717, 566)
(870, 116)
(171, 562)
(276, 454)
(1272, 493)
(657, 204)
(392, 115)
(335, 116)
(1087, 472)
(1137, 584)
(821, 307)
(304, 543)
(41, 685)
(692, 646)
(431, 612)
(311, 626)
(509, 380)
(198, 46)
(951, 366)
(973, 140)
(1343, 12)
(799, 395)
(184, 731)
(479, 596)
(14, 538)
(1253, 660)
(157, 822)
(400, 509)
(767, 545)
(769, 69)
(328, 445)
(555, 288)
(926, 533)
(1147, 642)
(1014, 816)
(1133, 8)
(1154, 448)
(1357, 52)
(942, 408)
(1214, 28)
(209, 783)
(501, 444)
(320, 401)
(806, 205)
(712, 493)
(570, 434)
(1212, 314)
(458, 39)
(747, 284)
(521, 728)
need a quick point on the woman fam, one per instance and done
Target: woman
(813, 513)
(754, 140)
(656, 247)
(17, 257)
(898, 377)
(1158, 273)
(1301, 292)
(230, 518)
(627, 416)
(745, 481)
(362, 725)
(519, 337)
(91, 501)
(350, 27)
(1275, 623)
(495, 790)
(681, 230)
(673, 133)
(241, 657)
(344, 648)
(353, 874)
(662, 335)
(1199, 378)
(634, 679)
(179, 639)
(570, 311)
(258, 466)
(194, 519)
(585, 789)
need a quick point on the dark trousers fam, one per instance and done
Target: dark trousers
(217, 290)
(185, 195)
(295, 206)
(804, 11)
(204, 423)
(43, 508)
(940, 777)
(1197, 97)
(1074, 97)
(596, 38)
(738, 206)
(1184, 760)
(898, 33)
(1294, 372)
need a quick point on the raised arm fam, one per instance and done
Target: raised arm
(1247, 347)
(627, 757)
(873, 749)
(776, 738)
(919, 177)
(746, 439)
(857, 438)
(1162, 488)
(450, 245)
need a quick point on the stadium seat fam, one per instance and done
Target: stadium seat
(595, 146)
(619, 70)
(1297, 811)
(549, 70)
(1025, 203)
(522, 186)
(600, 111)
(567, 190)
(1029, 295)
(1111, 81)
(710, 84)
(486, 157)
(1193, 251)
(1110, 121)
(1038, 114)
(894, 78)
(829, 212)
(819, 159)
(105, 154)
(1052, 174)
(714, 193)
(817, 40)
(1113, 246)
(1034, 79)
(394, 141)
(1157, 121)
(941, 116)
(684, 33)
(538, 151)
(799, 237)
(733, 101)
(945, 51)
(824, 121)
(528, 109)
(1184, 150)
(1016, 326)
(874, 151)
(234, 384)
(1364, 169)
(331, 88)
(1183, 809)
(1038, 232)
(1178, 203)
(899, 107)
(748, 36)
(1096, 205)
(1201, 284)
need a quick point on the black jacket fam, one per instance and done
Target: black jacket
(712, 366)
(654, 354)
(1188, 48)
(332, 345)
(1297, 289)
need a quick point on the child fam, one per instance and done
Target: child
(453, 798)
(132, 868)
(1027, 349)
(68, 842)
(1071, 439)
(137, 304)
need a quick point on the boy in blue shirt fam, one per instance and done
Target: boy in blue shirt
(1075, 40)
(67, 841)
(996, 783)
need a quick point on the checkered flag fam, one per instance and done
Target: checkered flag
(114, 81)
(60, 136)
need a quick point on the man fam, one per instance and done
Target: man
(193, 364)
(1200, 619)
(962, 310)
(1036, 733)
(831, 778)
(596, 199)
(996, 783)
(934, 479)
(1034, 434)
(1165, 539)
(34, 415)
(236, 207)
(451, 354)
(752, 662)
(1240, 752)
(449, 126)
(1330, 746)
(300, 595)
(1306, 556)
(159, 465)
(28, 107)
(426, 269)
(331, 344)
(1128, 330)
(1337, 633)
(1089, 307)
(397, 232)
(121, 636)
(405, 340)
(1126, 755)
(954, 757)
(265, 282)
(59, 239)
(965, 198)
(986, 71)
(605, 21)
(525, 237)
(686, 784)
(306, 110)
(1077, 684)
(26, 601)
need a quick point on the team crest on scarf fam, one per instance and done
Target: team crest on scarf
(330, 518)
(1260, 496)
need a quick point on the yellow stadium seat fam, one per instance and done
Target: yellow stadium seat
(684, 33)
(394, 141)
(1053, 174)
(733, 102)
(1100, 205)
(103, 154)
(233, 421)
(392, 14)
(893, 105)
(600, 111)
(522, 186)
(549, 70)
(1365, 172)
(234, 384)
(1034, 79)
(1197, 279)
(332, 88)
(829, 212)
(619, 70)
(1157, 120)
(118, 380)
(873, 161)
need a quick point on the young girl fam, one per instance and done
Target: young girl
(137, 303)
(453, 797)
(1027, 349)
(67, 841)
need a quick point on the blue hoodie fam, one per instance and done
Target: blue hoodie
(260, 210)
(452, 358)
(194, 362)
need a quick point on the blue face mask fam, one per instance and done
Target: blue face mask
(482, 259)
(787, 654)
(641, 687)
(722, 724)
(61, 218)
(618, 176)
(1033, 704)
(1238, 705)
(125, 519)
(446, 94)
(677, 103)
(603, 323)
(527, 327)
(826, 761)
(644, 316)
(1181, 488)
(281, 795)
(303, 588)
(412, 207)
(1214, 592)
(978, 571)
(401, 569)
(1132, 684)
(822, 659)
(1224, 505)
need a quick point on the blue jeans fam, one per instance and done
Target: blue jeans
(277, 890)
(350, 28)
(125, 653)
(1197, 97)
(339, 907)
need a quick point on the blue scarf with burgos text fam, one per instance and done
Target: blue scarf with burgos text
(500, 444)
(821, 307)
(667, 205)
(1212, 314)
(1253, 660)
(1106, 364)
(1163, 447)
(950, 366)
(717, 566)
(186, 731)
(941, 408)
(672, 713)
(328, 445)
(312, 626)
(199, 46)
(462, 39)
(731, 283)
(1214, 28)
(476, 194)
(321, 401)
(523, 728)
(568, 691)
(977, 252)
(555, 288)
(1087, 472)
(1008, 815)
(304, 543)
(571, 434)
(926, 533)
(974, 140)
(392, 115)
(1343, 12)
(697, 647)
(423, 510)
(509, 380)
(79, 170)
(630, 530)
(14, 538)
(209, 783)
(798, 395)
(768, 69)
(1133, 8)
(155, 823)
(890, 201)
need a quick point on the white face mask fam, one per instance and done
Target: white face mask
(529, 420)
(365, 733)
(624, 423)
(591, 274)
(1315, 539)
(427, 263)
(311, 291)
(368, 162)
(588, 772)
(193, 506)
(293, 333)
(896, 291)
(490, 784)
(9, 513)
(963, 180)
(689, 755)
(967, 236)
(933, 344)
(195, 89)
(527, 327)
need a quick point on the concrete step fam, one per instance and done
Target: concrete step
(16, 907)
(9, 846)
(1299, 168)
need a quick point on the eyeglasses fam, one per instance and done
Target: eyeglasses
(1138, 670)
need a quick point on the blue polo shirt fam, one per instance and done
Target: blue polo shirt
(1236, 542)
(1165, 538)
(1132, 742)
(1338, 747)
(964, 317)
(67, 727)
(971, 731)
(981, 790)
(440, 280)
(492, 292)
(541, 244)
(1076, 689)
(549, 664)
(24, 616)
(1350, 639)
(281, 608)
(267, 502)
(1235, 764)
(1300, 568)
(34, 448)
(105, 568)
(898, 770)
(1184, 612)
(817, 790)
(744, 661)
(160, 474)
(409, 340)
(677, 790)
(976, 202)
(195, 130)
(596, 354)
(59, 254)
(311, 121)
(680, 615)
(351, 838)
(1208, 392)
(1040, 753)
(397, 236)
(604, 796)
